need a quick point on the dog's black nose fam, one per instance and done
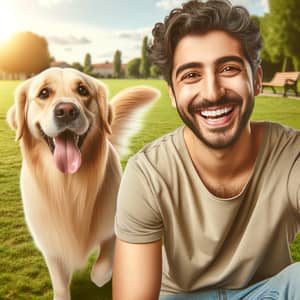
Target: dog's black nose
(66, 112)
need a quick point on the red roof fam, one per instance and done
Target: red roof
(103, 66)
(58, 63)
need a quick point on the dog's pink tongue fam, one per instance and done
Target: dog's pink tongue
(67, 156)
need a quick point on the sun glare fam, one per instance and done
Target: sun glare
(7, 23)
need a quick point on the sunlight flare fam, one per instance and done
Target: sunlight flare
(7, 23)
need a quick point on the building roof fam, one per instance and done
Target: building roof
(103, 66)
(59, 64)
(106, 65)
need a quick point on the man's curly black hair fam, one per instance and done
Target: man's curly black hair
(201, 17)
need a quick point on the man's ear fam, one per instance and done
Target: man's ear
(258, 80)
(16, 115)
(105, 110)
(172, 96)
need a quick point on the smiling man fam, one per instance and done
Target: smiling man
(222, 192)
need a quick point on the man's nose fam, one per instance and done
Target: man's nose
(212, 89)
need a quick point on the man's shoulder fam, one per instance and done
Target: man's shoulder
(281, 131)
(280, 139)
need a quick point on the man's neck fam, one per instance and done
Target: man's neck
(225, 171)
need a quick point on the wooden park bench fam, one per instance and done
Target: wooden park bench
(287, 80)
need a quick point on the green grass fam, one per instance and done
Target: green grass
(23, 274)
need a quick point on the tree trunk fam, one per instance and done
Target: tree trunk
(284, 64)
(296, 63)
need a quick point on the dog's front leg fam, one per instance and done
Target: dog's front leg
(102, 269)
(60, 278)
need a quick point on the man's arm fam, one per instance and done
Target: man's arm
(137, 271)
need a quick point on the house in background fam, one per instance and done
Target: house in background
(60, 64)
(101, 70)
(106, 70)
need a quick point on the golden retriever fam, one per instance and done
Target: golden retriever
(70, 137)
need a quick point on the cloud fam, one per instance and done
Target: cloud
(264, 4)
(105, 54)
(68, 40)
(261, 4)
(134, 35)
(49, 3)
(169, 4)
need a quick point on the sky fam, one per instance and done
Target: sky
(99, 27)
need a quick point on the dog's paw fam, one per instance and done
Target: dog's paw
(101, 273)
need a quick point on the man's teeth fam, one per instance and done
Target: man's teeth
(216, 113)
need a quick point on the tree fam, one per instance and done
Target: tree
(154, 71)
(76, 65)
(117, 64)
(145, 61)
(281, 32)
(132, 68)
(87, 65)
(25, 52)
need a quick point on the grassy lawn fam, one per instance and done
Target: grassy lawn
(23, 274)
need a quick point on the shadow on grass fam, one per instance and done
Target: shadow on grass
(83, 288)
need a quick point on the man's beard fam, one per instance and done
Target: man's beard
(205, 104)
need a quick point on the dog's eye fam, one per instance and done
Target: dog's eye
(82, 90)
(44, 93)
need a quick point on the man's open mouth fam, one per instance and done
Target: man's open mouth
(66, 149)
(216, 113)
(217, 117)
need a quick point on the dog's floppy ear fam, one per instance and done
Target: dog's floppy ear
(16, 115)
(105, 110)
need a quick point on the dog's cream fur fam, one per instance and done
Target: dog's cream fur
(70, 214)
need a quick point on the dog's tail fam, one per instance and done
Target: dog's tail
(127, 108)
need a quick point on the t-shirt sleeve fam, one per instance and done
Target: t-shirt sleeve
(294, 185)
(137, 217)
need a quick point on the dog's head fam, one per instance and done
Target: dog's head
(59, 107)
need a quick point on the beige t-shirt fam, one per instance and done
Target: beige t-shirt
(210, 242)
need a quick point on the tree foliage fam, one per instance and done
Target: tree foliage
(117, 64)
(281, 32)
(154, 71)
(77, 65)
(25, 52)
(133, 67)
(87, 65)
(145, 61)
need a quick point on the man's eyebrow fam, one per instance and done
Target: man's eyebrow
(233, 58)
(187, 66)
(220, 60)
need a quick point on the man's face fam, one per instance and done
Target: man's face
(213, 88)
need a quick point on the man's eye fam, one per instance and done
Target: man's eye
(230, 70)
(44, 93)
(82, 90)
(191, 76)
